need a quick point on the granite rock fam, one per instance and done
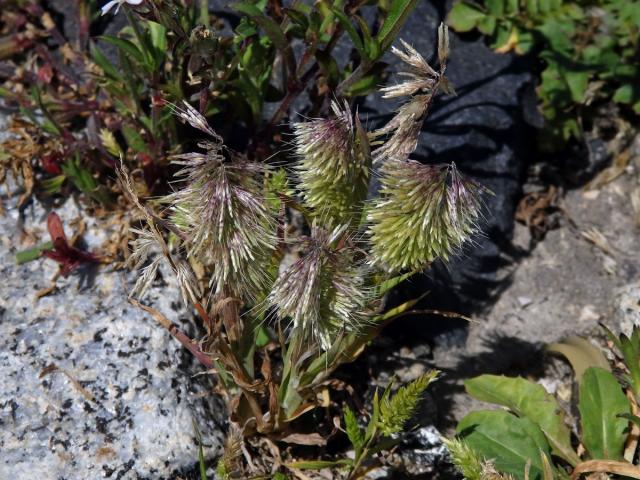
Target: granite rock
(92, 386)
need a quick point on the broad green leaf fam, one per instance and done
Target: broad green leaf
(624, 94)
(464, 17)
(399, 11)
(601, 401)
(577, 83)
(510, 442)
(495, 7)
(530, 400)
(158, 35)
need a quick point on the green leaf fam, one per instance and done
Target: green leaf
(53, 185)
(32, 253)
(510, 442)
(464, 17)
(399, 11)
(127, 47)
(349, 28)
(104, 64)
(601, 401)
(270, 27)
(624, 94)
(134, 139)
(371, 45)
(577, 83)
(530, 400)
(158, 36)
(353, 430)
(372, 426)
(392, 282)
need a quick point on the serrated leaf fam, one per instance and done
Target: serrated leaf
(530, 400)
(601, 401)
(353, 430)
(464, 17)
(510, 442)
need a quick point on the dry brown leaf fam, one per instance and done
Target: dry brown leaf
(606, 466)
(535, 210)
(612, 172)
(597, 238)
(313, 439)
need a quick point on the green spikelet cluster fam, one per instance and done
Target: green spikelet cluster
(227, 465)
(395, 411)
(334, 165)
(469, 464)
(424, 212)
(465, 459)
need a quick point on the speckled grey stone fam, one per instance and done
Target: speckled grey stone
(145, 398)
(626, 305)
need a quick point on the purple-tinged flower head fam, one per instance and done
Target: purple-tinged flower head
(424, 212)
(334, 163)
(322, 293)
(224, 214)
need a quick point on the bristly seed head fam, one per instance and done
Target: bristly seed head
(223, 212)
(424, 212)
(420, 85)
(333, 166)
(323, 292)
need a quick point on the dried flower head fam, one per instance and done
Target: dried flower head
(223, 214)
(334, 163)
(424, 212)
(150, 246)
(420, 85)
(323, 292)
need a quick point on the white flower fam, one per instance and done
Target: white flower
(117, 4)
